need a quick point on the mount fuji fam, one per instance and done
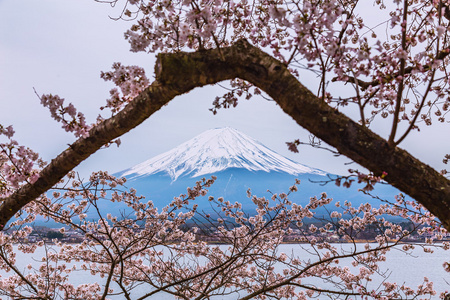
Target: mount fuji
(214, 151)
(239, 162)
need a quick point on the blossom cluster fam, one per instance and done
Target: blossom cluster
(75, 122)
(131, 80)
(18, 164)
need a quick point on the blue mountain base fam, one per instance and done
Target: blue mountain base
(232, 184)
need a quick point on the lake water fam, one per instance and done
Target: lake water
(401, 268)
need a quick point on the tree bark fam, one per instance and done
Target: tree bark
(179, 73)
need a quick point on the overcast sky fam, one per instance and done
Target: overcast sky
(60, 47)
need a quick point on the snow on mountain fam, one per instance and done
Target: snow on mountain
(216, 150)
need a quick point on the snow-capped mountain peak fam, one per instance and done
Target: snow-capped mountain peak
(216, 150)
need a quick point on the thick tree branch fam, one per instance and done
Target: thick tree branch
(181, 72)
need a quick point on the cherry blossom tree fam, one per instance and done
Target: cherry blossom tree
(146, 252)
(392, 69)
(396, 76)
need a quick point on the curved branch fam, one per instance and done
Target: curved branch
(179, 73)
